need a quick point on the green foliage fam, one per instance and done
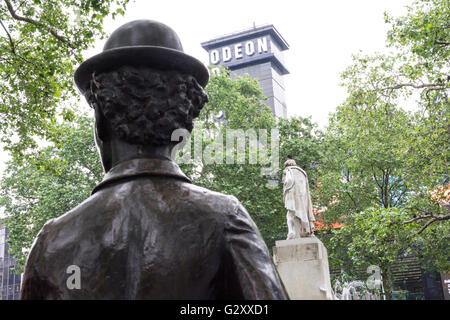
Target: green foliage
(41, 44)
(425, 30)
(53, 181)
(361, 160)
(375, 236)
(381, 164)
(372, 237)
(301, 139)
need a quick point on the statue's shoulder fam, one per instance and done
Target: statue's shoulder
(228, 207)
(70, 222)
(299, 169)
(211, 200)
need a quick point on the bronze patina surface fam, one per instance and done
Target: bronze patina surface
(147, 232)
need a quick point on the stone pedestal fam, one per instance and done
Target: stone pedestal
(302, 264)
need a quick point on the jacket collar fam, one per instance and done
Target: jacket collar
(142, 167)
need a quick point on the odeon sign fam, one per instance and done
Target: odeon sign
(239, 50)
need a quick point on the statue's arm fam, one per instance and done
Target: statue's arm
(252, 266)
(35, 285)
(288, 180)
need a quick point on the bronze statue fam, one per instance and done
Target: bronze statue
(147, 232)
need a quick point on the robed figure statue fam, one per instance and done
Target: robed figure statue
(297, 201)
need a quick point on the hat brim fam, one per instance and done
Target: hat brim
(157, 57)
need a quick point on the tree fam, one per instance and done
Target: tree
(54, 180)
(362, 164)
(373, 237)
(381, 164)
(416, 143)
(41, 43)
(422, 38)
(424, 31)
(301, 139)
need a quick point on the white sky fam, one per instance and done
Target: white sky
(322, 35)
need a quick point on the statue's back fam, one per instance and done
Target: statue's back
(153, 238)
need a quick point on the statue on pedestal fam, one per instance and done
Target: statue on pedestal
(147, 232)
(297, 201)
(301, 259)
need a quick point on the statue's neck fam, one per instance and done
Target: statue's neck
(114, 151)
(121, 151)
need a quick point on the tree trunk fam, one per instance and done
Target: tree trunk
(386, 282)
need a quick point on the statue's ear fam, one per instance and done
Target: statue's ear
(102, 139)
(101, 125)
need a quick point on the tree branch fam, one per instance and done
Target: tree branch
(384, 191)
(432, 218)
(419, 218)
(37, 23)
(443, 44)
(416, 86)
(400, 196)
(11, 42)
(351, 198)
(20, 4)
(375, 177)
(438, 218)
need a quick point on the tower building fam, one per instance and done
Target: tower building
(9, 281)
(258, 52)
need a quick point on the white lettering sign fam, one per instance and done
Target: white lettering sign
(249, 48)
(226, 54)
(262, 45)
(214, 56)
(238, 50)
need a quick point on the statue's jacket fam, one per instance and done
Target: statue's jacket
(147, 232)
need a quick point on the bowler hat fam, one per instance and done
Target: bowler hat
(141, 43)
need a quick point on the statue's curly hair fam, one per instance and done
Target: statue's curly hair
(145, 105)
